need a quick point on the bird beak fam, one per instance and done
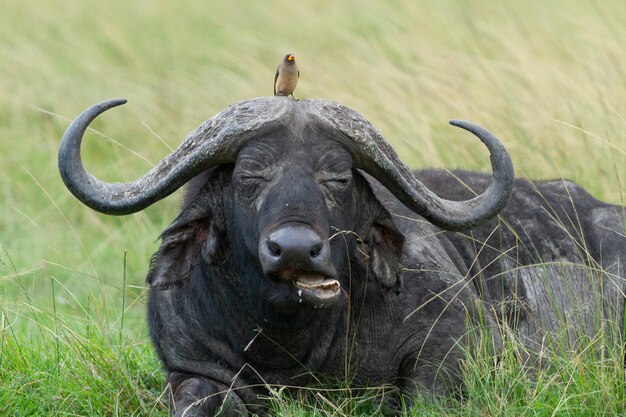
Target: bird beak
(291, 58)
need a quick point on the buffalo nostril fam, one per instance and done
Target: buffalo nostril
(294, 248)
(274, 248)
(316, 250)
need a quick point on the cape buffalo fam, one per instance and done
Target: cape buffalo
(306, 249)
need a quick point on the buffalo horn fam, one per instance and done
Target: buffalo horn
(219, 139)
(375, 156)
(214, 142)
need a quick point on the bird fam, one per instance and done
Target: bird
(286, 77)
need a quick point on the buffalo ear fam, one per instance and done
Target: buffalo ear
(194, 235)
(385, 253)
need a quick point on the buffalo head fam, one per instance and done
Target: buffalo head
(293, 168)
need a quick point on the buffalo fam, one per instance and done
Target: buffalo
(306, 250)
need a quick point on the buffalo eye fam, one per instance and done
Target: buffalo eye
(250, 185)
(250, 179)
(250, 182)
(334, 184)
(250, 172)
(336, 180)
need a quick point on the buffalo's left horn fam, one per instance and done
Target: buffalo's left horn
(371, 153)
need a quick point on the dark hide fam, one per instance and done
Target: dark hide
(409, 291)
(552, 263)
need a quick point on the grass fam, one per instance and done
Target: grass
(548, 78)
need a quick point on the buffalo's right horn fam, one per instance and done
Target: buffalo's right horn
(216, 141)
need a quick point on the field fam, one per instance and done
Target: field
(548, 78)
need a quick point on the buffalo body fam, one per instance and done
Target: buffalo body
(306, 251)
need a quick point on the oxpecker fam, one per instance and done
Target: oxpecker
(286, 77)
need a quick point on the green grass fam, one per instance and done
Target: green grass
(548, 78)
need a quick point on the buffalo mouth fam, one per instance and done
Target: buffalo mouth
(312, 287)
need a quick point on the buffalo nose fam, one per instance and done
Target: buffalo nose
(294, 247)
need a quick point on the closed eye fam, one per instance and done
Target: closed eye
(248, 175)
(249, 179)
(336, 180)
